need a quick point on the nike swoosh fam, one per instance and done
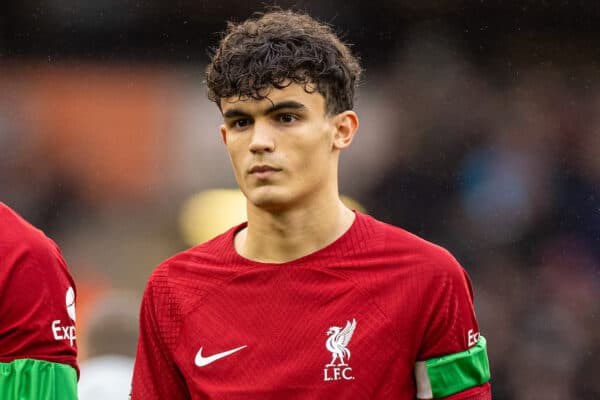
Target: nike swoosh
(201, 361)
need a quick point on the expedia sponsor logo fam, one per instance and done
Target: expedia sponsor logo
(472, 337)
(66, 330)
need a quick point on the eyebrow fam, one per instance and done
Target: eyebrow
(294, 105)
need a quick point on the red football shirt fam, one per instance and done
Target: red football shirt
(346, 322)
(37, 295)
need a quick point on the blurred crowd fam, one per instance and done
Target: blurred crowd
(502, 169)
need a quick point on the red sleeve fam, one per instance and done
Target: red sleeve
(452, 326)
(37, 297)
(482, 392)
(155, 374)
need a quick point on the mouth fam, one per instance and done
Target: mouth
(263, 168)
(263, 171)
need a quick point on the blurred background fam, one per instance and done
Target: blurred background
(480, 131)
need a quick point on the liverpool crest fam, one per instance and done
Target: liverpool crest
(337, 343)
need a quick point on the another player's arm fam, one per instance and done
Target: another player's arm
(32, 379)
(453, 363)
(33, 363)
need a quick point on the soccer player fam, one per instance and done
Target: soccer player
(38, 351)
(307, 299)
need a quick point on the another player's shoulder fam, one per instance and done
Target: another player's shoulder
(15, 229)
(19, 239)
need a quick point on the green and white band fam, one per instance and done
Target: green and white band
(447, 375)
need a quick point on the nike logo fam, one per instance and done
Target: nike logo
(202, 361)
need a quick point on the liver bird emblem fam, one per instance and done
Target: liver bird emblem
(337, 342)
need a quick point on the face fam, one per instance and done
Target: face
(285, 148)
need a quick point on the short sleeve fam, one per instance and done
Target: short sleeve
(38, 347)
(452, 326)
(37, 303)
(155, 374)
(452, 361)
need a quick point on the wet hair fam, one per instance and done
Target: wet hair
(278, 48)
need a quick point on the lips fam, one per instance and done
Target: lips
(263, 171)
(263, 168)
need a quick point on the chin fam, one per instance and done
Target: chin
(268, 199)
(271, 205)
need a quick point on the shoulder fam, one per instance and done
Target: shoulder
(178, 285)
(205, 260)
(22, 244)
(406, 252)
(15, 231)
(194, 270)
(399, 242)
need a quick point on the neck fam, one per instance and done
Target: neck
(285, 236)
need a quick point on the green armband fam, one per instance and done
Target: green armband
(457, 372)
(28, 379)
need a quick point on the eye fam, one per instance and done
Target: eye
(240, 123)
(287, 118)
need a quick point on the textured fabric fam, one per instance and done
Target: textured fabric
(27, 379)
(37, 295)
(456, 372)
(482, 392)
(348, 321)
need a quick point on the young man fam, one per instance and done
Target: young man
(308, 299)
(38, 352)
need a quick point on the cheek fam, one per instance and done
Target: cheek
(236, 158)
(314, 158)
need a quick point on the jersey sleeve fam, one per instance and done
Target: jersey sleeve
(38, 348)
(452, 361)
(155, 374)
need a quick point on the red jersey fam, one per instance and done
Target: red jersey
(349, 321)
(37, 295)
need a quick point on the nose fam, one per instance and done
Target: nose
(263, 138)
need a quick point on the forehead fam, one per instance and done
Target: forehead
(313, 101)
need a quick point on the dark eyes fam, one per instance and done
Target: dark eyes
(286, 118)
(283, 118)
(241, 123)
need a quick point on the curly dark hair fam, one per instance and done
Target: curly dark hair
(278, 48)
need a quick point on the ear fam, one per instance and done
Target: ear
(346, 126)
(224, 133)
